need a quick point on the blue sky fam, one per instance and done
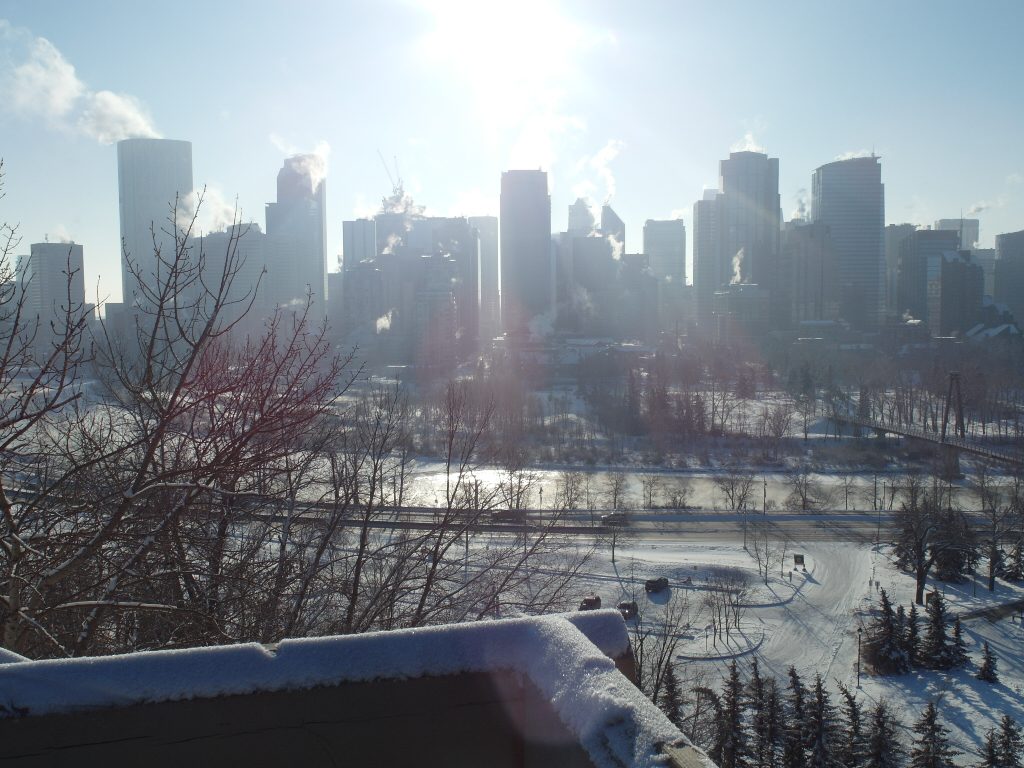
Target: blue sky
(637, 101)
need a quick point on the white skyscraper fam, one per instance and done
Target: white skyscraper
(153, 175)
(48, 296)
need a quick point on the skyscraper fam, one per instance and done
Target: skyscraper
(665, 249)
(849, 197)
(358, 241)
(154, 180)
(299, 215)
(490, 279)
(920, 270)
(969, 230)
(736, 230)
(51, 283)
(1009, 273)
(526, 271)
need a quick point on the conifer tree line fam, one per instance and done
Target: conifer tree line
(896, 642)
(761, 722)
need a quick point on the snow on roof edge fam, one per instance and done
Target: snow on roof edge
(564, 657)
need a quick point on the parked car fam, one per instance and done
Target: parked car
(629, 610)
(615, 518)
(590, 603)
(656, 585)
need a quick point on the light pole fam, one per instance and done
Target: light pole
(764, 497)
(860, 631)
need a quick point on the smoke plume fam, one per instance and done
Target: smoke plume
(38, 83)
(384, 321)
(737, 267)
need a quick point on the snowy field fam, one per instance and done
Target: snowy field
(811, 623)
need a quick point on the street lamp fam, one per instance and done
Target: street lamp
(860, 632)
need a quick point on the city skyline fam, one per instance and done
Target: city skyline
(434, 85)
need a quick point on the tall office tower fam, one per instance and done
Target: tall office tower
(526, 271)
(490, 277)
(299, 217)
(707, 278)
(43, 281)
(665, 249)
(849, 197)
(750, 217)
(956, 287)
(807, 286)
(581, 220)
(969, 230)
(1009, 273)
(986, 259)
(612, 226)
(894, 235)
(920, 266)
(358, 241)
(153, 177)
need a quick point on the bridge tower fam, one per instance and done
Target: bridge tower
(950, 453)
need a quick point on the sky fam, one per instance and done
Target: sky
(633, 103)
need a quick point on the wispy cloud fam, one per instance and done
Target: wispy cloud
(38, 83)
(855, 153)
(1013, 179)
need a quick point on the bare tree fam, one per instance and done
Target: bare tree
(768, 550)
(650, 484)
(736, 487)
(654, 643)
(615, 486)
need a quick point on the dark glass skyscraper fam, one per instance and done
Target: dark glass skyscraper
(526, 272)
(848, 196)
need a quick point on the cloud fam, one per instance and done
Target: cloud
(38, 83)
(213, 212)
(1013, 179)
(679, 213)
(474, 202)
(384, 321)
(747, 144)
(802, 200)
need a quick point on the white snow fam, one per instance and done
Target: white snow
(610, 717)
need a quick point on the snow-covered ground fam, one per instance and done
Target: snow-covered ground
(811, 623)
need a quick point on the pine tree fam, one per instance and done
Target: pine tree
(772, 723)
(990, 752)
(936, 651)
(734, 738)
(670, 700)
(1009, 743)
(884, 650)
(988, 671)
(913, 638)
(756, 704)
(882, 748)
(931, 747)
(821, 723)
(793, 734)
(959, 648)
(851, 743)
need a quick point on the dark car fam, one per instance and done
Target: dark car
(656, 585)
(615, 518)
(629, 610)
(590, 603)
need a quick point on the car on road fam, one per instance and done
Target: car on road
(590, 603)
(659, 584)
(629, 609)
(614, 518)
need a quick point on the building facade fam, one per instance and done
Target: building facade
(154, 183)
(848, 196)
(527, 284)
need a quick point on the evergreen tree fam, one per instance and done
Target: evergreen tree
(913, 638)
(882, 748)
(670, 701)
(850, 748)
(772, 723)
(900, 629)
(884, 649)
(1009, 743)
(936, 650)
(931, 746)
(734, 736)
(959, 648)
(821, 724)
(755, 693)
(990, 751)
(793, 730)
(714, 742)
(988, 671)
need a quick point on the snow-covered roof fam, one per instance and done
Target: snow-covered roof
(565, 657)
